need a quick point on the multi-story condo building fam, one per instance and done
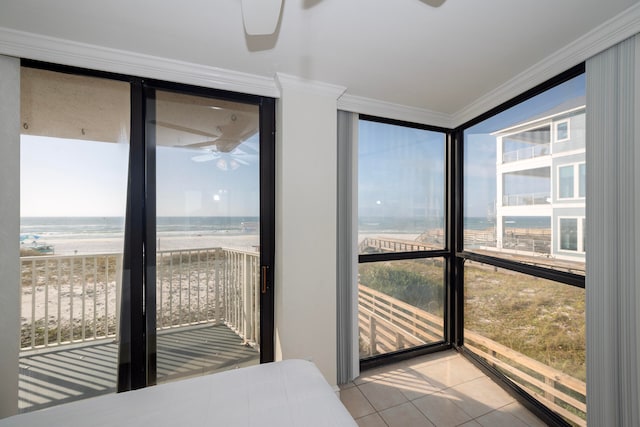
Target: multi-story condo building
(540, 178)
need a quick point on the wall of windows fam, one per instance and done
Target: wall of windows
(481, 244)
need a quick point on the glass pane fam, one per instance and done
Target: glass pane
(582, 185)
(566, 182)
(569, 234)
(518, 179)
(533, 331)
(401, 305)
(562, 131)
(73, 178)
(400, 188)
(208, 207)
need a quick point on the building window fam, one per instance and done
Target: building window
(571, 234)
(565, 182)
(562, 130)
(572, 182)
(582, 180)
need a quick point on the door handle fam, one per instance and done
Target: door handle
(264, 278)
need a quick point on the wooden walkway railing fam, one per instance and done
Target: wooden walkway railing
(384, 244)
(387, 324)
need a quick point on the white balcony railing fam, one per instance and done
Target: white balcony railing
(537, 150)
(526, 199)
(69, 299)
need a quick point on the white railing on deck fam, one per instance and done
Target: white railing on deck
(75, 298)
(526, 199)
(537, 150)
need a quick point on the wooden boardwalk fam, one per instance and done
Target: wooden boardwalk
(74, 372)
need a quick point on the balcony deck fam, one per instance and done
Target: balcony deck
(72, 372)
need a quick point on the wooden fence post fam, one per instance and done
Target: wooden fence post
(372, 336)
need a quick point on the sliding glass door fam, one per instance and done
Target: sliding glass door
(74, 153)
(147, 233)
(207, 232)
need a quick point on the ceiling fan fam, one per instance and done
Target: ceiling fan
(229, 160)
(261, 16)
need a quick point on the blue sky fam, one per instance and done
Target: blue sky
(62, 177)
(400, 171)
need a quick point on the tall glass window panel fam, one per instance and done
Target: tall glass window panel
(208, 207)
(73, 179)
(400, 305)
(533, 331)
(565, 182)
(521, 174)
(582, 183)
(569, 234)
(401, 188)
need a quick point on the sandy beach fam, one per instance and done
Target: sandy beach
(86, 246)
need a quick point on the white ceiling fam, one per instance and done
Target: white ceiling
(398, 51)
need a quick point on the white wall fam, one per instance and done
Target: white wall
(306, 197)
(9, 233)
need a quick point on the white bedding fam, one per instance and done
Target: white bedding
(287, 393)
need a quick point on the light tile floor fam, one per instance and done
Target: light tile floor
(441, 389)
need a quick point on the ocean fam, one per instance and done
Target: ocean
(72, 235)
(99, 227)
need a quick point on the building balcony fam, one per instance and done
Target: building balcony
(532, 152)
(526, 199)
(207, 319)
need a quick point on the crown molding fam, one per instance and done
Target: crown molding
(65, 52)
(288, 81)
(613, 31)
(372, 107)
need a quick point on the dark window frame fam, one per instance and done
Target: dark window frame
(447, 253)
(455, 255)
(562, 277)
(137, 358)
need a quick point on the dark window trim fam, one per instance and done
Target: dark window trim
(455, 255)
(447, 253)
(562, 277)
(398, 256)
(68, 69)
(400, 355)
(544, 413)
(403, 123)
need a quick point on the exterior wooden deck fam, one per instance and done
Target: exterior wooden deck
(71, 372)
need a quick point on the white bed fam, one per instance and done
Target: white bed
(287, 393)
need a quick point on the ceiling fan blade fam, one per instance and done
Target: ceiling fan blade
(187, 129)
(242, 162)
(261, 16)
(205, 157)
(433, 3)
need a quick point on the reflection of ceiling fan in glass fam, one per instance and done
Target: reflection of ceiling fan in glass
(230, 160)
(261, 17)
